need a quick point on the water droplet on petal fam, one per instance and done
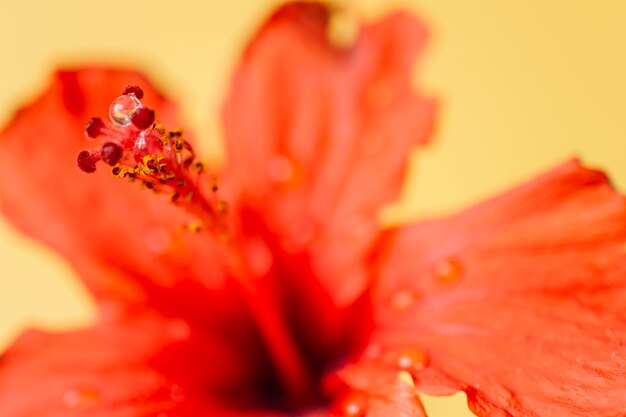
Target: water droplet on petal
(448, 270)
(179, 329)
(259, 256)
(373, 351)
(403, 299)
(157, 240)
(123, 109)
(177, 394)
(75, 398)
(301, 232)
(280, 169)
(411, 360)
(354, 406)
(361, 226)
(141, 146)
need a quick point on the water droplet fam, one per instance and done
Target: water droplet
(177, 394)
(179, 329)
(613, 354)
(280, 169)
(354, 406)
(403, 299)
(361, 226)
(123, 109)
(411, 360)
(157, 240)
(140, 145)
(373, 351)
(448, 270)
(75, 398)
(259, 256)
(301, 233)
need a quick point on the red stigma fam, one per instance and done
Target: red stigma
(143, 118)
(142, 150)
(111, 153)
(133, 89)
(94, 127)
(86, 162)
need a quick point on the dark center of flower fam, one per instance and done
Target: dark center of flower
(300, 354)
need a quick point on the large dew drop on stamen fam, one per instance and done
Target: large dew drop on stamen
(123, 109)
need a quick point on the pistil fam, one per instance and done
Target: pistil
(140, 149)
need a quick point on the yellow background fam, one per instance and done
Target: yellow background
(523, 84)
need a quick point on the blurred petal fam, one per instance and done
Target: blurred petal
(127, 244)
(319, 123)
(144, 367)
(519, 301)
(378, 392)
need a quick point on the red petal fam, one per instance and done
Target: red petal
(376, 391)
(318, 134)
(144, 367)
(127, 244)
(519, 301)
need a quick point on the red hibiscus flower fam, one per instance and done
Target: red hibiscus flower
(283, 296)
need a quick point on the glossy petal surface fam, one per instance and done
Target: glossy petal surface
(518, 301)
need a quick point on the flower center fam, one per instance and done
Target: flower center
(138, 148)
(141, 150)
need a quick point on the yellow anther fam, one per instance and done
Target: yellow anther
(118, 171)
(167, 176)
(195, 227)
(198, 167)
(159, 128)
